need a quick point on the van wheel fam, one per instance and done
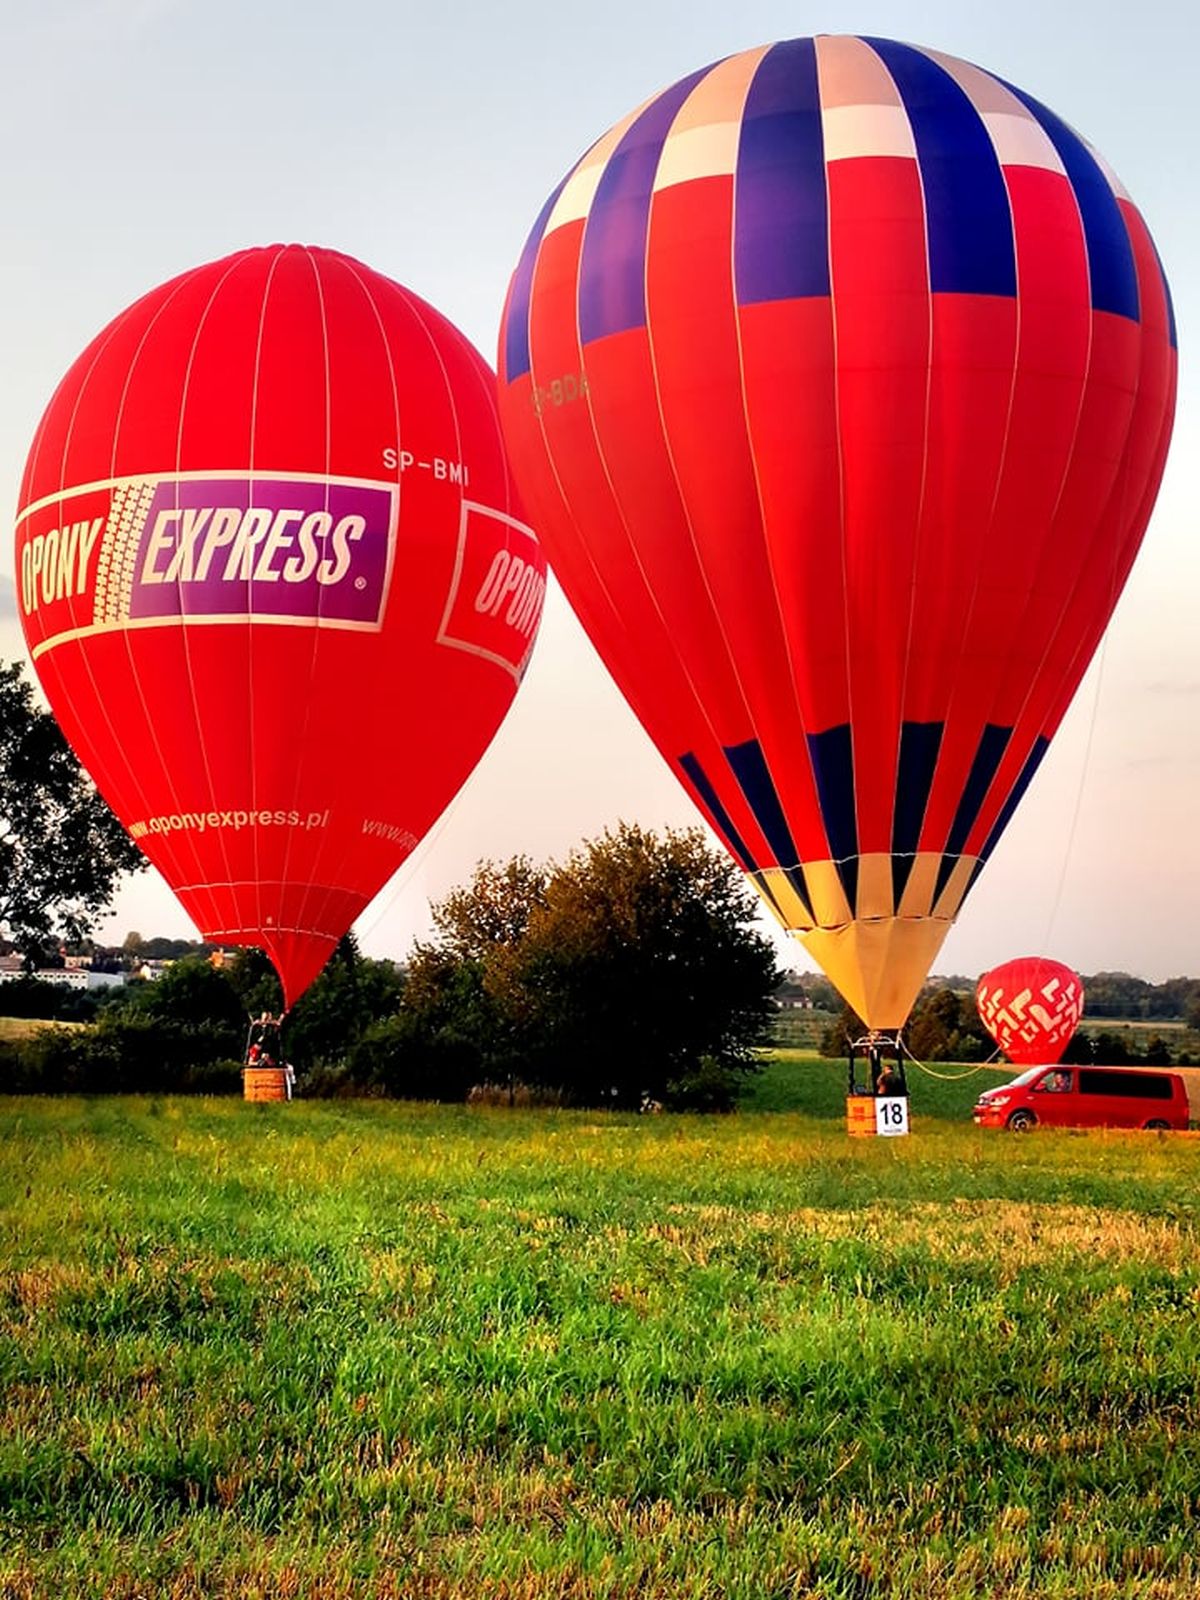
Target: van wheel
(1021, 1121)
(1158, 1123)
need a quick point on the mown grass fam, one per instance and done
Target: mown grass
(25, 1027)
(377, 1350)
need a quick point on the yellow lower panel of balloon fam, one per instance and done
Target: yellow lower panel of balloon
(878, 967)
(878, 954)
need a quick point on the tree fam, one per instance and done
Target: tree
(191, 993)
(351, 994)
(493, 912)
(61, 849)
(467, 1009)
(254, 981)
(630, 969)
(1158, 1052)
(190, 1016)
(838, 1036)
(945, 1026)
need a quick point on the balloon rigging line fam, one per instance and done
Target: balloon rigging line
(947, 1077)
(1083, 776)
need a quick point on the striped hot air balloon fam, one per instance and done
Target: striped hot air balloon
(838, 380)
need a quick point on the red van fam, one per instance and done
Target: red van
(1085, 1097)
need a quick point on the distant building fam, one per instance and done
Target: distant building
(78, 978)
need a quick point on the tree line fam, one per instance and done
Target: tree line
(630, 973)
(945, 1026)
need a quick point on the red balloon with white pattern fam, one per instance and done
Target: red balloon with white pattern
(1031, 1007)
(276, 586)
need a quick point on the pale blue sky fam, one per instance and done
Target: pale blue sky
(145, 136)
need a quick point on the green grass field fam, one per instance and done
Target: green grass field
(359, 1349)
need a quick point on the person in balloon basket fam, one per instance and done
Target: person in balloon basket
(263, 1031)
(888, 1080)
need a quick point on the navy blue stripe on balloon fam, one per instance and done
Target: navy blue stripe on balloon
(920, 743)
(781, 210)
(848, 873)
(992, 745)
(1111, 265)
(795, 876)
(968, 217)
(1171, 333)
(991, 748)
(832, 756)
(517, 359)
(1033, 762)
(750, 769)
(612, 270)
(919, 746)
(699, 781)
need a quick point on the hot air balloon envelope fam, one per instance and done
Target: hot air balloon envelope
(838, 380)
(1031, 1007)
(276, 585)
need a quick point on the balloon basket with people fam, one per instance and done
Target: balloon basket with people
(876, 1086)
(266, 1075)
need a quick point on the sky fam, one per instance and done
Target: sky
(143, 137)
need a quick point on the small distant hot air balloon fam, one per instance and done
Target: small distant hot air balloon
(1031, 1007)
(838, 380)
(276, 586)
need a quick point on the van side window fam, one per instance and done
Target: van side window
(1056, 1082)
(1130, 1085)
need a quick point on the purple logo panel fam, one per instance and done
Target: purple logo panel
(261, 546)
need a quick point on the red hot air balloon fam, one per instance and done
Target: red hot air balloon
(838, 380)
(1031, 1007)
(275, 584)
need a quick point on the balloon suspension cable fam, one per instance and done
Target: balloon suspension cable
(1083, 776)
(946, 1077)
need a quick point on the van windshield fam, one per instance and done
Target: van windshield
(1027, 1076)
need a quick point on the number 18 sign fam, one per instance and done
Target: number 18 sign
(891, 1115)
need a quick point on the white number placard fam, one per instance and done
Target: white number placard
(891, 1115)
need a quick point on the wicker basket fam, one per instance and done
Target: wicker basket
(265, 1083)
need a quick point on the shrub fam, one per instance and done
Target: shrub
(709, 1086)
(116, 1056)
(514, 1094)
(402, 1057)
